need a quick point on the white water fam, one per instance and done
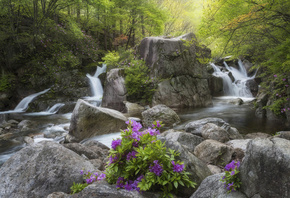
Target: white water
(237, 88)
(53, 110)
(96, 85)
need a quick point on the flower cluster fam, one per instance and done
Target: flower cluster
(92, 177)
(231, 179)
(156, 168)
(177, 167)
(139, 161)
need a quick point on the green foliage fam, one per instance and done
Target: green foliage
(77, 187)
(140, 162)
(111, 59)
(231, 178)
(6, 82)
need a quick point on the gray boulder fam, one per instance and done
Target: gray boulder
(253, 86)
(214, 152)
(41, 169)
(161, 113)
(133, 109)
(185, 139)
(115, 90)
(88, 121)
(212, 187)
(265, 171)
(197, 168)
(214, 132)
(215, 85)
(257, 135)
(180, 62)
(283, 134)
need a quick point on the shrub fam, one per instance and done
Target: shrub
(138, 161)
(231, 179)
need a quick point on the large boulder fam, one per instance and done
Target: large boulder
(253, 86)
(115, 90)
(40, 169)
(214, 132)
(162, 113)
(265, 171)
(179, 61)
(214, 152)
(197, 168)
(88, 121)
(213, 187)
(133, 109)
(216, 85)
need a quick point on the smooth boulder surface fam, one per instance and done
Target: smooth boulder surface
(115, 90)
(214, 132)
(162, 113)
(214, 152)
(265, 170)
(41, 169)
(176, 61)
(212, 187)
(88, 121)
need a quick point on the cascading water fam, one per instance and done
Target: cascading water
(238, 87)
(96, 85)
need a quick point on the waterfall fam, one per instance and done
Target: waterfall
(238, 87)
(23, 105)
(55, 108)
(96, 85)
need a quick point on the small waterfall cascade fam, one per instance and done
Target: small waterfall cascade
(23, 105)
(96, 85)
(55, 108)
(238, 87)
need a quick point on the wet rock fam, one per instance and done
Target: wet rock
(213, 187)
(265, 171)
(237, 101)
(215, 85)
(41, 169)
(28, 140)
(262, 99)
(161, 113)
(214, 152)
(253, 86)
(88, 121)
(115, 90)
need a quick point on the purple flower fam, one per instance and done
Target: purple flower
(157, 124)
(82, 172)
(177, 167)
(102, 176)
(156, 168)
(135, 144)
(153, 132)
(120, 182)
(232, 165)
(233, 172)
(116, 143)
(284, 79)
(230, 186)
(131, 155)
(275, 75)
(286, 85)
(136, 136)
(113, 159)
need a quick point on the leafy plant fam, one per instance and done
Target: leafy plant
(77, 187)
(138, 161)
(231, 179)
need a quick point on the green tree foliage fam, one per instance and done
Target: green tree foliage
(258, 29)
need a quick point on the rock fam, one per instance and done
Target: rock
(253, 86)
(215, 85)
(213, 187)
(214, 152)
(88, 121)
(184, 74)
(239, 144)
(98, 164)
(262, 98)
(41, 169)
(214, 132)
(58, 195)
(81, 150)
(265, 171)
(183, 91)
(185, 139)
(28, 140)
(197, 168)
(115, 90)
(91, 143)
(257, 135)
(283, 134)
(195, 127)
(237, 101)
(133, 109)
(161, 113)
(234, 133)
(214, 169)
(103, 189)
